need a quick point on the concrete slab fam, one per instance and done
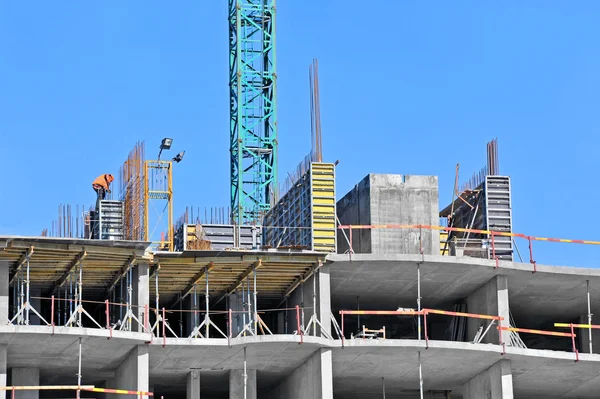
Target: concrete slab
(553, 294)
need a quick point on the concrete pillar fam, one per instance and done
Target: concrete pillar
(3, 379)
(24, 377)
(490, 299)
(192, 320)
(132, 374)
(141, 293)
(312, 380)
(493, 383)
(193, 385)
(303, 296)
(4, 293)
(34, 320)
(236, 384)
(324, 298)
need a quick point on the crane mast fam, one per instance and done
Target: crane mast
(253, 117)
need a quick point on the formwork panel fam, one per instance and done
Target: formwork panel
(305, 216)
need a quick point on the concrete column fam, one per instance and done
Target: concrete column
(490, 299)
(24, 377)
(312, 380)
(193, 385)
(303, 296)
(4, 293)
(132, 374)
(3, 379)
(141, 293)
(190, 320)
(236, 384)
(493, 383)
(324, 298)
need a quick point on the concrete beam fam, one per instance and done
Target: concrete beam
(493, 383)
(490, 299)
(236, 384)
(25, 377)
(312, 380)
(132, 374)
(193, 385)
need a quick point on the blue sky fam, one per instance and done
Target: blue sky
(406, 87)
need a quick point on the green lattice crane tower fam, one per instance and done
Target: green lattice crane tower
(253, 124)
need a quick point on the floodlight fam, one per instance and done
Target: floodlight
(166, 143)
(179, 157)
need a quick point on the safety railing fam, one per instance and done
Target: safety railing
(491, 233)
(155, 321)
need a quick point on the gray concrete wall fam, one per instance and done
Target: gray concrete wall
(4, 292)
(493, 383)
(24, 377)
(355, 208)
(193, 385)
(391, 199)
(490, 299)
(312, 380)
(132, 373)
(236, 384)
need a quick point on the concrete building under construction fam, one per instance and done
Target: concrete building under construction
(369, 296)
(293, 290)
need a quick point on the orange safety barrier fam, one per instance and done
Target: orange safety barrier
(89, 388)
(458, 314)
(543, 332)
(491, 233)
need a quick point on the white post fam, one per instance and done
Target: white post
(419, 300)
(245, 376)
(420, 377)
(589, 304)
(27, 295)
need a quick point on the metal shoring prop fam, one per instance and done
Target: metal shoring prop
(419, 300)
(27, 295)
(420, 377)
(22, 314)
(207, 322)
(383, 386)
(255, 305)
(314, 320)
(79, 373)
(245, 376)
(249, 302)
(589, 305)
(156, 311)
(126, 321)
(78, 310)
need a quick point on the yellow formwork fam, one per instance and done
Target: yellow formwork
(323, 206)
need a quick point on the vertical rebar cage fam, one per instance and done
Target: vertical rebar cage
(253, 118)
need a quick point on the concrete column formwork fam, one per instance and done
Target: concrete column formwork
(236, 384)
(490, 299)
(493, 383)
(312, 380)
(25, 377)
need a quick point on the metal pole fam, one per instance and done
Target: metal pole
(206, 300)
(21, 295)
(419, 301)
(314, 318)
(79, 312)
(157, 302)
(27, 295)
(255, 304)
(249, 299)
(245, 376)
(420, 377)
(195, 306)
(383, 386)
(79, 372)
(589, 304)
(129, 295)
